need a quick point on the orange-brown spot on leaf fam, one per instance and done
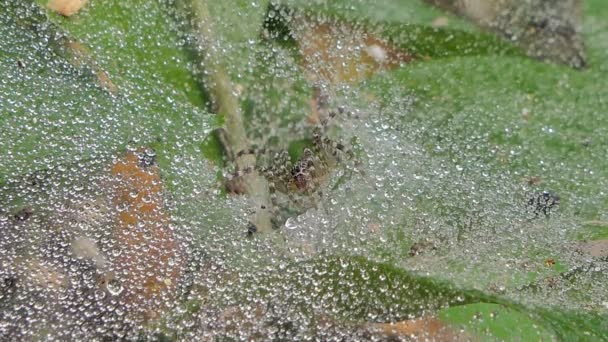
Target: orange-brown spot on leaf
(151, 255)
(424, 329)
(127, 219)
(147, 208)
(338, 52)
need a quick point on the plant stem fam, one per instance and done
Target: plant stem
(227, 103)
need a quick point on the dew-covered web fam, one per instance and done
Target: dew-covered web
(294, 170)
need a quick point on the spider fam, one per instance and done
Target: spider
(300, 182)
(309, 172)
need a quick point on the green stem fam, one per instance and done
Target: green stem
(223, 93)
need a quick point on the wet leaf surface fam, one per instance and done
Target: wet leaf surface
(419, 176)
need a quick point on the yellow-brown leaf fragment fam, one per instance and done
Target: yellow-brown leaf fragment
(81, 57)
(421, 329)
(66, 8)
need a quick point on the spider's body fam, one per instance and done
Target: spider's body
(297, 185)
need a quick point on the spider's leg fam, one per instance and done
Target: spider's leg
(274, 200)
(251, 150)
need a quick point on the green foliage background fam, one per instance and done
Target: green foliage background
(54, 111)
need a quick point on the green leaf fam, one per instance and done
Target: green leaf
(145, 53)
(572, 326)
(139, 46)
(428, 42)
(50, 111)
(356, 289)
(516, 323)
(58, 101)
(497, 321)
(410, 35)
(213, 149)
(516, 115)
(383, 11)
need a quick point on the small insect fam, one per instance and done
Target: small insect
(534, 180)
(146, 157)
(552, 282)
(422, 247)
(549, 262)
(23, 214)
(543, 203)
(497, 288)
(251, 229)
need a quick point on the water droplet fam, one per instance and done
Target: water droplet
(114, 287)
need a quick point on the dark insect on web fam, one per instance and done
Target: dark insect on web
(421, 247)
(8, 283)
(543, 203)
(23, 214)
(146, 158)
(251, 229)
